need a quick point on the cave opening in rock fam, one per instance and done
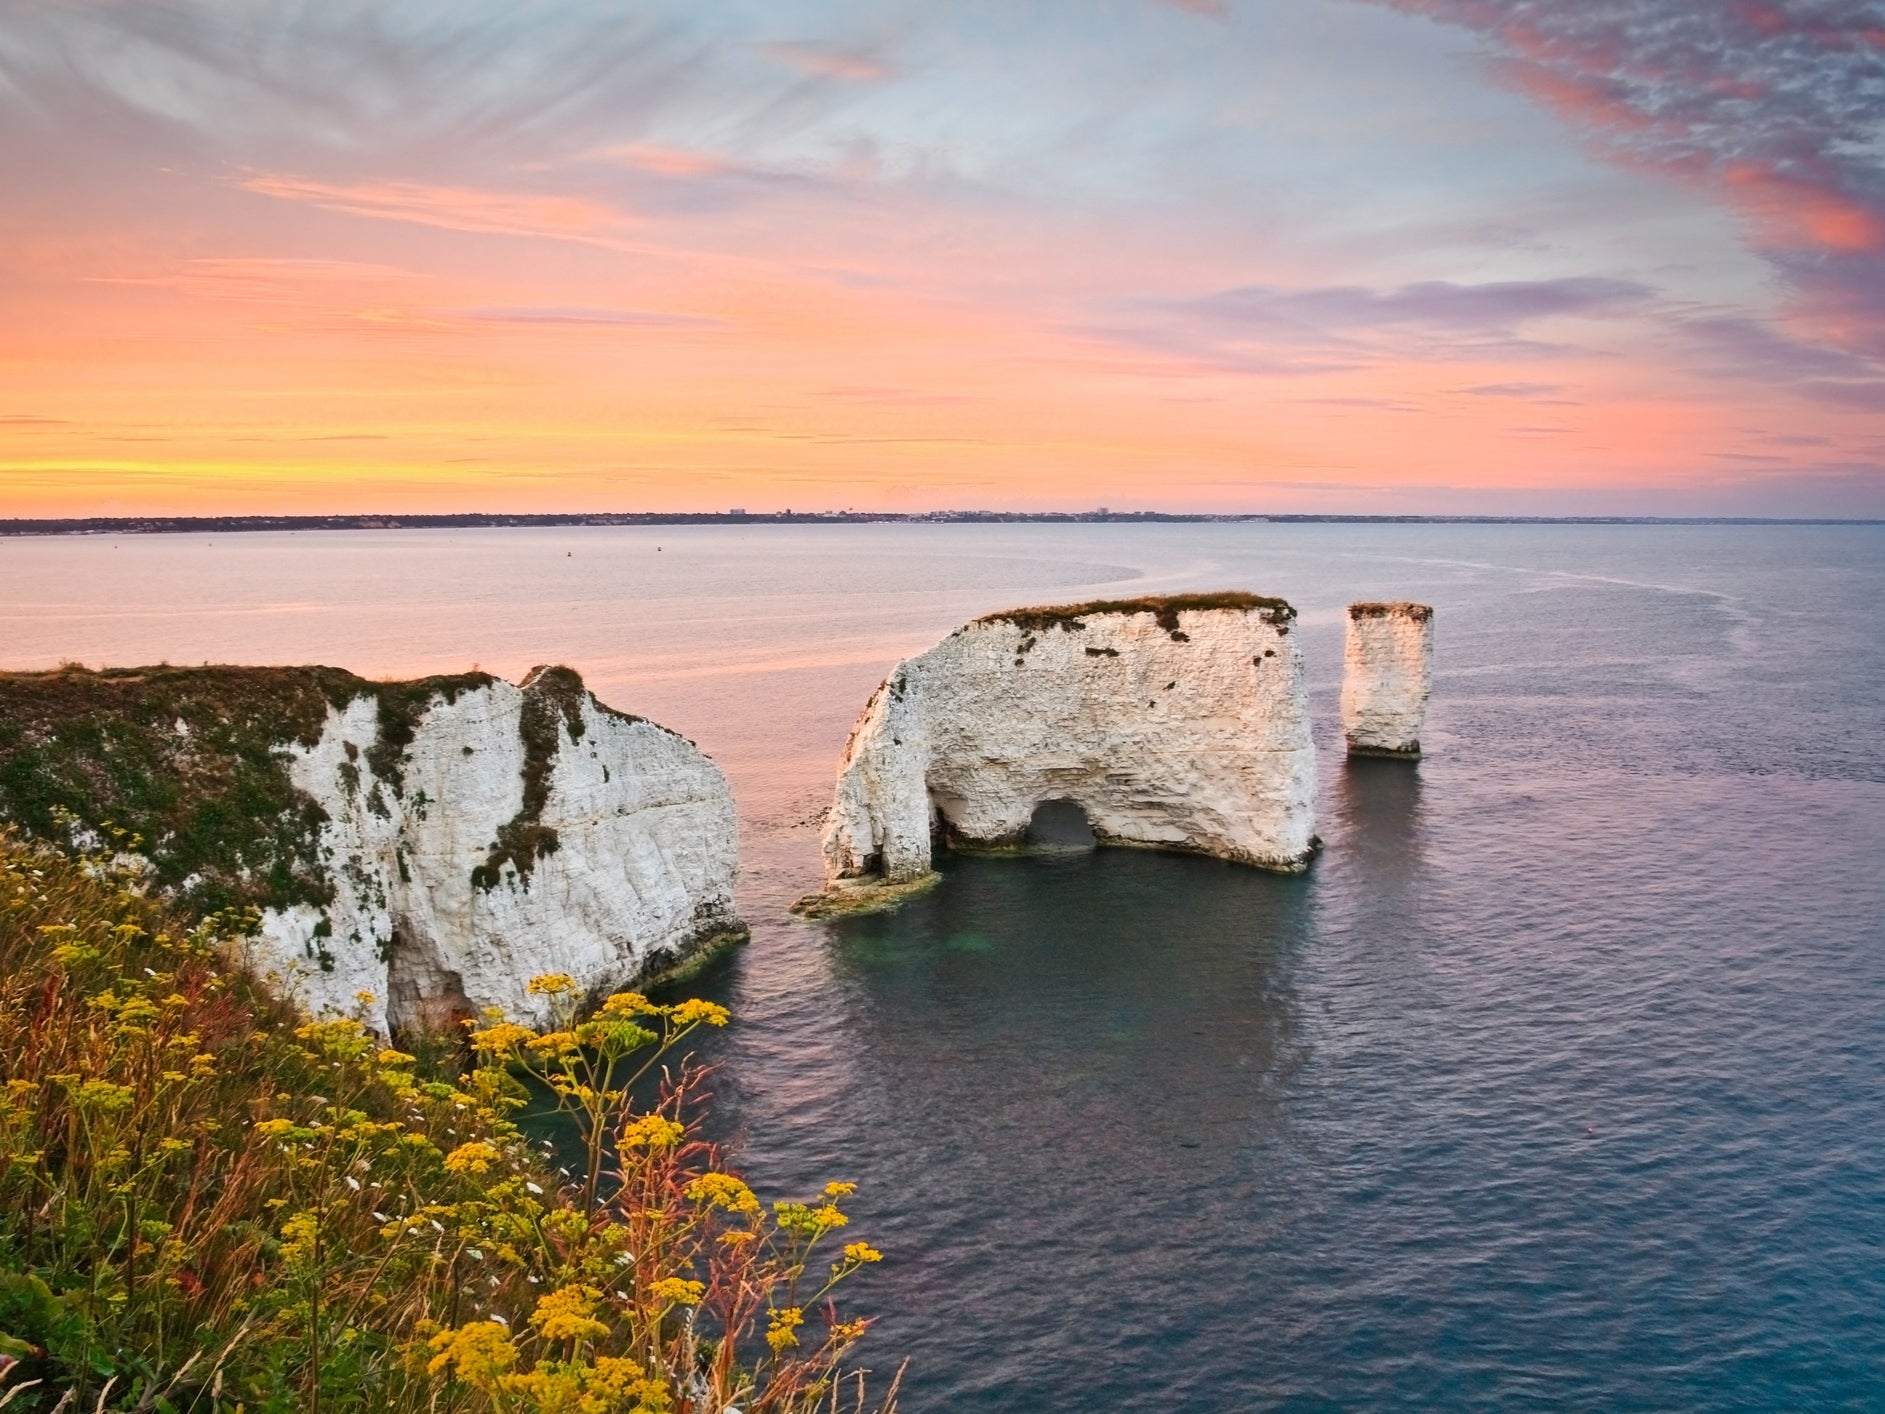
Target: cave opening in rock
(1060, 824)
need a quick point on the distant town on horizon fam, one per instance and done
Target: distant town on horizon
(485, 520)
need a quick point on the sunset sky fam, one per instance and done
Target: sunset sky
(1458, 256)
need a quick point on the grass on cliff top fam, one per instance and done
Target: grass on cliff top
(189, 760)
(209, 1205)
(1165, 607)
(1386, 608)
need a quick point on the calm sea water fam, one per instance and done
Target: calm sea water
(1558, 1083)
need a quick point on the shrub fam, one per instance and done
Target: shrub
(209, 1203)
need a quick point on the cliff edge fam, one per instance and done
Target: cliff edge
(1178, 723)
(433, 844)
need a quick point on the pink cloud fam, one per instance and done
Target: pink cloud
(663, 161)
(1770, 106)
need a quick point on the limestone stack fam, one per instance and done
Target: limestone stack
(1179, 723)
(1387, 676)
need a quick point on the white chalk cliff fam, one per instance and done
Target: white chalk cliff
(1387, 676)
(1179, 723)
(533, 831)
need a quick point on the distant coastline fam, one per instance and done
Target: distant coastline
(478, 520)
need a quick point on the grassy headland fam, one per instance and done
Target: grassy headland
(209, 1203)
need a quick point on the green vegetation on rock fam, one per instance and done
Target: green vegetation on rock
(1164, 608)
(193, 762)
(1381, 609)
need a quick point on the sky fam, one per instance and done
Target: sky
(1356, 256)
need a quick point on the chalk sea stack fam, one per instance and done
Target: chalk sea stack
(1178, 723)
(434, 843)
(1387, 675)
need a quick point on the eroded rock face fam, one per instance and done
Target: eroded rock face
(534, 831)
(433, 844)
(1179, 723)
(1387, 676)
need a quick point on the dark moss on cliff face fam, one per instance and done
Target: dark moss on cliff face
(1165, 610)
(194, 761)
(553, 702)
(401, 706)
(1419, 613)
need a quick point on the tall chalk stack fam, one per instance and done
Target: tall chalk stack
(1386, 678)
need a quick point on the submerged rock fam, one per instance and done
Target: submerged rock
(1387, 676)
(432, 844)
(1178, 723)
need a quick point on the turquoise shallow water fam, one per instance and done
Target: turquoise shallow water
(1558, 1083)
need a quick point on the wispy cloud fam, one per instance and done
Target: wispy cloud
(500, 213)
(1489, 309)
(273, 279)
(1514, 390)
(585, 315)
(1274, 330)
(851, 65)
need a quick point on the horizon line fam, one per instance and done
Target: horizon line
(480, 520)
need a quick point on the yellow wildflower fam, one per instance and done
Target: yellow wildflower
(861, 1252)
(694, 1011)
(505, 1036)
(796, 1217)
(568, 1313)
(780, 1334)
(652, 1132)
(723, 1190)
(338, 1038)
(551, 984)
(475, 1157)
(554, 1043)
(299, 1237)
(103, 1095)
(840, 1190)
(629, 1004)
(626, 1381)
(479, 1353)
(677, 1291)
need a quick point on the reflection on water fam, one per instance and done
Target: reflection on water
(1049, 1036)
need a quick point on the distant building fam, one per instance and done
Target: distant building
(737, 511)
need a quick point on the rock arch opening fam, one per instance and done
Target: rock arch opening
(1061, 824)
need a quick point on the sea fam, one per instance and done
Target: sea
(1557, 1083)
